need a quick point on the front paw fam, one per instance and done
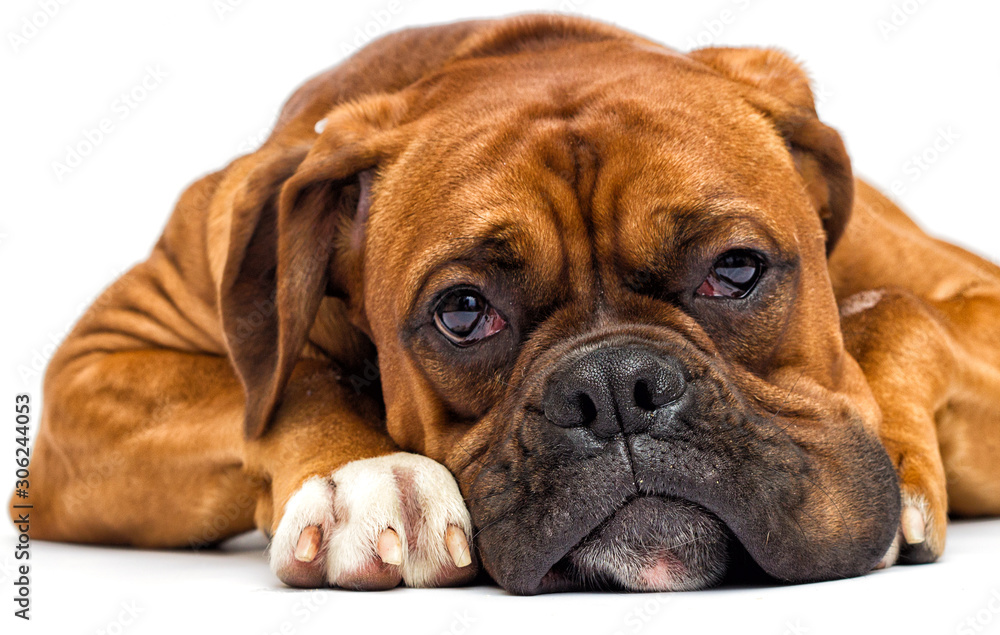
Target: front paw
(374, 523)
(923, 520)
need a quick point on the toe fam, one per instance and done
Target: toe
(297, 552)
(306, 568)
(376, 575)
(922, 531)
(459, 566)
(912, 522)
(308, 544)
(389, 547)
(458, 546)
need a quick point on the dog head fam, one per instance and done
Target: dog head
(594, 270)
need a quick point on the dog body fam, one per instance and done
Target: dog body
(632, 299)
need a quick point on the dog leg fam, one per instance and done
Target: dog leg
(141, 448)
(163, 463)
(918, 364)
(909, 362)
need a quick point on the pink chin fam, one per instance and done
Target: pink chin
(663, 574)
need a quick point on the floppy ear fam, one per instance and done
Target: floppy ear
(291, 216)
(779, 87)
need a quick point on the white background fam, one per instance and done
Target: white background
(896, 77)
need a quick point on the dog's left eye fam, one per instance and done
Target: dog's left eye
(734, 275)
(465, 317)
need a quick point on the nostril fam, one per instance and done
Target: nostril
(644, 397)
(658, 387)
(588, 410)
(567, 407)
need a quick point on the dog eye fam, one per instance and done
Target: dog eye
(465, 317)
(734, 275)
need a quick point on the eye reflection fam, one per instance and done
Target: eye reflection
(465, 317)
(734, 275)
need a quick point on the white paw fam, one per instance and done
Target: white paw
(913, 540)
(374, 523)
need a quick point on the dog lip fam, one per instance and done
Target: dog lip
(556, 576)
(564, 575)
(559, 575)
(545, 574)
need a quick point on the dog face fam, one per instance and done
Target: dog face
(595, 275)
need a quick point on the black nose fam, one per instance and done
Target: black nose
(612, 390)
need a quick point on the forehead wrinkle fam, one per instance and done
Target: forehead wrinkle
(512, 238)
(536, 195)
(655, 199)
(569, 222)
(523, 205)
(673, 233)
(739, 221)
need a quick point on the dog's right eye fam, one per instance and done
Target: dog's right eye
(465, 317)
(734, 275)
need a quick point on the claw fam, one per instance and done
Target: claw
(912, 522)
(458, 546)
(308, 545)
(389, 548)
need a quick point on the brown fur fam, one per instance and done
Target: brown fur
(231, 365)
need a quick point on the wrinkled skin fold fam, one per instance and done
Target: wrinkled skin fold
(783, 496)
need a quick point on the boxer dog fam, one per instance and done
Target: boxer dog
(541, 296)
